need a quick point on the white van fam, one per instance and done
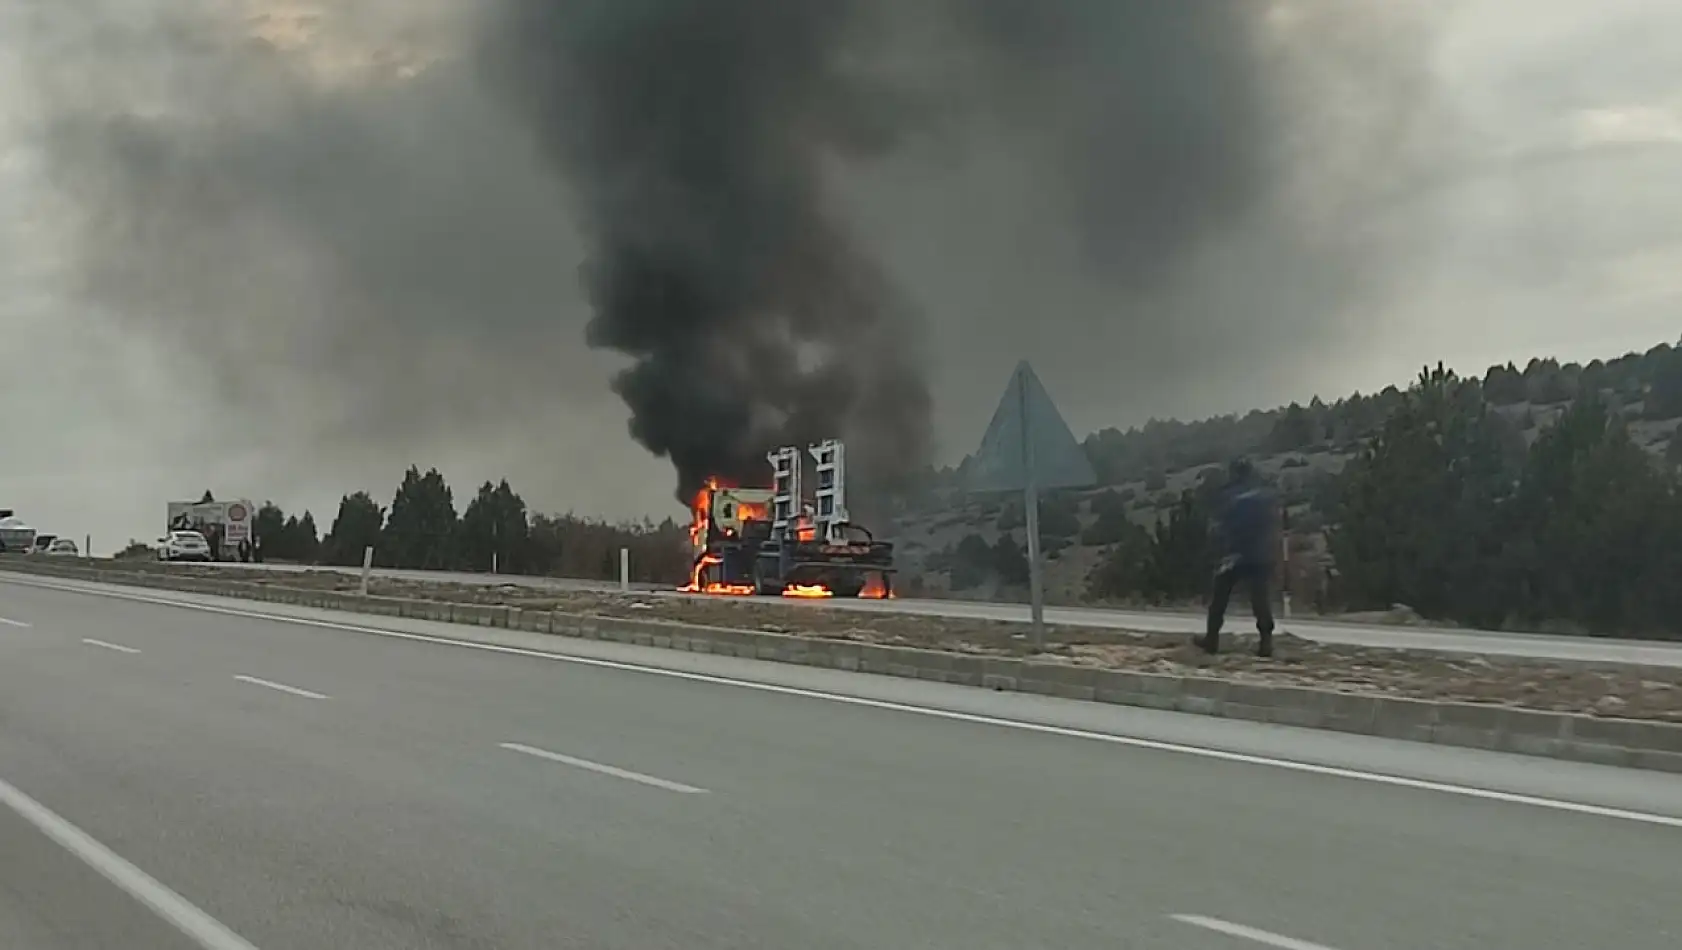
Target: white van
(16, 537)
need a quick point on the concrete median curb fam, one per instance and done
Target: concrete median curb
(1621, 742)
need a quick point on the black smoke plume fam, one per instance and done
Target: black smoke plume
(374, 261)
(695, 135)
(1158, 123)
(701, 137)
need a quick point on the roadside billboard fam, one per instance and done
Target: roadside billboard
(225, 524)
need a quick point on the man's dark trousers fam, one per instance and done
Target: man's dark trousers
(1255, 575)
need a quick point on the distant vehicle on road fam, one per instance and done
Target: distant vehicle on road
(60, 547)
(42, 543)
(184, 546)
(15, 537)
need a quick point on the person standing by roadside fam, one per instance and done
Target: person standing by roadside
(1246, 528)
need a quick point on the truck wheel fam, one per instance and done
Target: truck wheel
(850, 588)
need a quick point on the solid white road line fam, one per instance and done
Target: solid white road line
(1248, 933)
(605, 769)
(108, 646)
(282, 687)
(12, 623)
(204, 930)
(1377, 778)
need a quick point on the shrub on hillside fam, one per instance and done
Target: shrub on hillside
(1058, 521)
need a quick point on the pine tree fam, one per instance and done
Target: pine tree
(1296, 429)
(355, 528)
(421, 527)
(1594, 524)
(1121, 574)
(268, 526)
(495, 530)
(1182, 558)
(1419, 507)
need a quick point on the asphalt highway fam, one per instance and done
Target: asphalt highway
(180, 771)
(1546, 646)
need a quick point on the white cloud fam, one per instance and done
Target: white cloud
(1627, 125)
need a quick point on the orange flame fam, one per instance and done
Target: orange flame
(713, 587)
(701, 512)
(876, 588)
(701, 515)
(807, 590)
(699, 527)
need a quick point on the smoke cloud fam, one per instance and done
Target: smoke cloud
(405, 218)
(694, 135)
(1155, 124)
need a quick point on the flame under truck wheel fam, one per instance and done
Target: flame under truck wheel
(704, 573)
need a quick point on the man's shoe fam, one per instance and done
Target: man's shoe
(1265, 647)
(1208, 644)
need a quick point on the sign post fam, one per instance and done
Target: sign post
(624, 570)
(1031, 517)
(367, 567)
(1029, 448)
(1285, 572)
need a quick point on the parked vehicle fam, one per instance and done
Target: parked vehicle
(184, 546)
(62, 547)
(16, 537)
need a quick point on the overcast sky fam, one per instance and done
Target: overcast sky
(1541, 214)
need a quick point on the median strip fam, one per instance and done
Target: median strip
(599, 768)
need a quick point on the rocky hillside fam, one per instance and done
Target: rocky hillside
(957, 544)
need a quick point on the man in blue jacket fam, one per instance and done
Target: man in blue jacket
(1245, 527)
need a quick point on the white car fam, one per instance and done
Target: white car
(184, 546)
(63, 547)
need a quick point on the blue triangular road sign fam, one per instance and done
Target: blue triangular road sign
(1027, 430)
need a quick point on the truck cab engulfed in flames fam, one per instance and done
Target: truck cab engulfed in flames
(777, 541)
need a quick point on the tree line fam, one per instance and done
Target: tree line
(1570, 526)
(421, 530)
(1651, 381)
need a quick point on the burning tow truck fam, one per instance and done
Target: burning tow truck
(773, 541)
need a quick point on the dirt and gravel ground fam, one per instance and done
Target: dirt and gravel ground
(1625, 691)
